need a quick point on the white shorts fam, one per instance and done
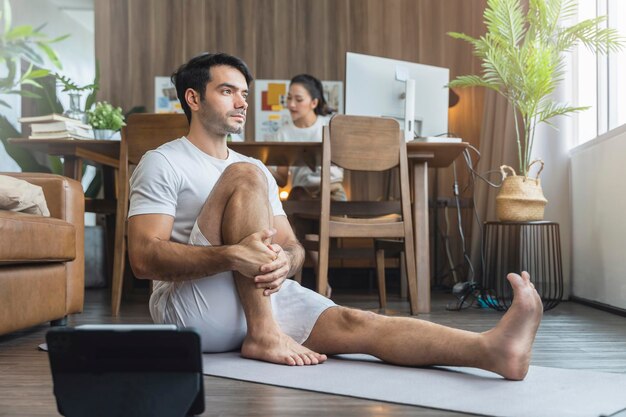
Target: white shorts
(211, 306)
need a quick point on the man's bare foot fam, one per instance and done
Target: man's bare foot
(510, 343)
(276, 347)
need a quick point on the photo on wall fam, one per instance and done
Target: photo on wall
(165, 99)
(270, 103)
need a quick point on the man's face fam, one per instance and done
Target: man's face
(223, 109)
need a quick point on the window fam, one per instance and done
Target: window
(600, 80)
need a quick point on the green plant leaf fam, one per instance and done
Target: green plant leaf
(30, 54)
(40, 27)
(7, 16)
(91, 98)
(18, 32)
(52, 56)
(31, 82)
(556, 109)
(462, 36)
(39, 73)
(58, 39)
(471, 81)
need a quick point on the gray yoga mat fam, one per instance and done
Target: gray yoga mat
(544, 392)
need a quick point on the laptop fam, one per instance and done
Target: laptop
(126, 370)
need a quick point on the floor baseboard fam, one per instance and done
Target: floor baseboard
(598, 305)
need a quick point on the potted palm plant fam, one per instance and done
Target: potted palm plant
(523, 60)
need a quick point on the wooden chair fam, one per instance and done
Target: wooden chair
(365, 144)
(142, 133)
(389, 248)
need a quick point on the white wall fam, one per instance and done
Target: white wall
(552, 145)
(77, 53)
(599, 227)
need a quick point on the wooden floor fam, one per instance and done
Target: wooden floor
(571, 336)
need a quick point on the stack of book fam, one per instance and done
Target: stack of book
(55, 126)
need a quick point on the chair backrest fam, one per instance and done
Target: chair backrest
(144, 132)
(361, 143)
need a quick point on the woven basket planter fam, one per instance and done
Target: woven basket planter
(520, 198)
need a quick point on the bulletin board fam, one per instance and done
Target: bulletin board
(270, 103)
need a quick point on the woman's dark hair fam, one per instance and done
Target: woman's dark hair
(316, 90)
(196, 74)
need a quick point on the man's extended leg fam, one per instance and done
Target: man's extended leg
(237, 207)
(505, 349)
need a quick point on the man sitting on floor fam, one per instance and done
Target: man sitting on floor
(206, 224)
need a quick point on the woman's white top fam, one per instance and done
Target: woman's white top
(303, 176)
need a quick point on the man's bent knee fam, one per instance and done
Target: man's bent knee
(241, 177)
(245, 173)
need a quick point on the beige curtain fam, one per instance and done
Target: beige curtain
(498, 146)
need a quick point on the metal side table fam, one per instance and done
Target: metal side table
(521, 246)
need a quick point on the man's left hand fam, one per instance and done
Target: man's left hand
(274, 273)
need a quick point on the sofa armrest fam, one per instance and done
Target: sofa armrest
(66, 201)
(58, 190)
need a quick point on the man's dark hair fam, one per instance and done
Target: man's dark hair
(196, 74)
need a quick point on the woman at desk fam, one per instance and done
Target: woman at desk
(309, 114)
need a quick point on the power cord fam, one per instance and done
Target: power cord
(468, 292)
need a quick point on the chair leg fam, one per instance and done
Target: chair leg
(403, 278)
(322, 269)
(411, 274)
(380, 272)
(117, 282)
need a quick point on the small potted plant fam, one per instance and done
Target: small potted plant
(105, 119)
(522, 57)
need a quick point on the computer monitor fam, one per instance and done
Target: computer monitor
(384, 87)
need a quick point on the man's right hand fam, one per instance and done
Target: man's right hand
(252, 252)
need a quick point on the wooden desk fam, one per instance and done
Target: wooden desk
(421, 155)
(74, 153)
(104, 152)
(107, 152)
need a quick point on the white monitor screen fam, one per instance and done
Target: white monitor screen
(376, 86)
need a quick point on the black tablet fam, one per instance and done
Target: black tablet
(138, 370)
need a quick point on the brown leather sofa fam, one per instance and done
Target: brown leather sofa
(42, 264)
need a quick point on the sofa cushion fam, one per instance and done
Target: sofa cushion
(20, 195)
(29, 238)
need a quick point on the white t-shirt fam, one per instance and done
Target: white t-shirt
(303, 176)
(176, 179)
